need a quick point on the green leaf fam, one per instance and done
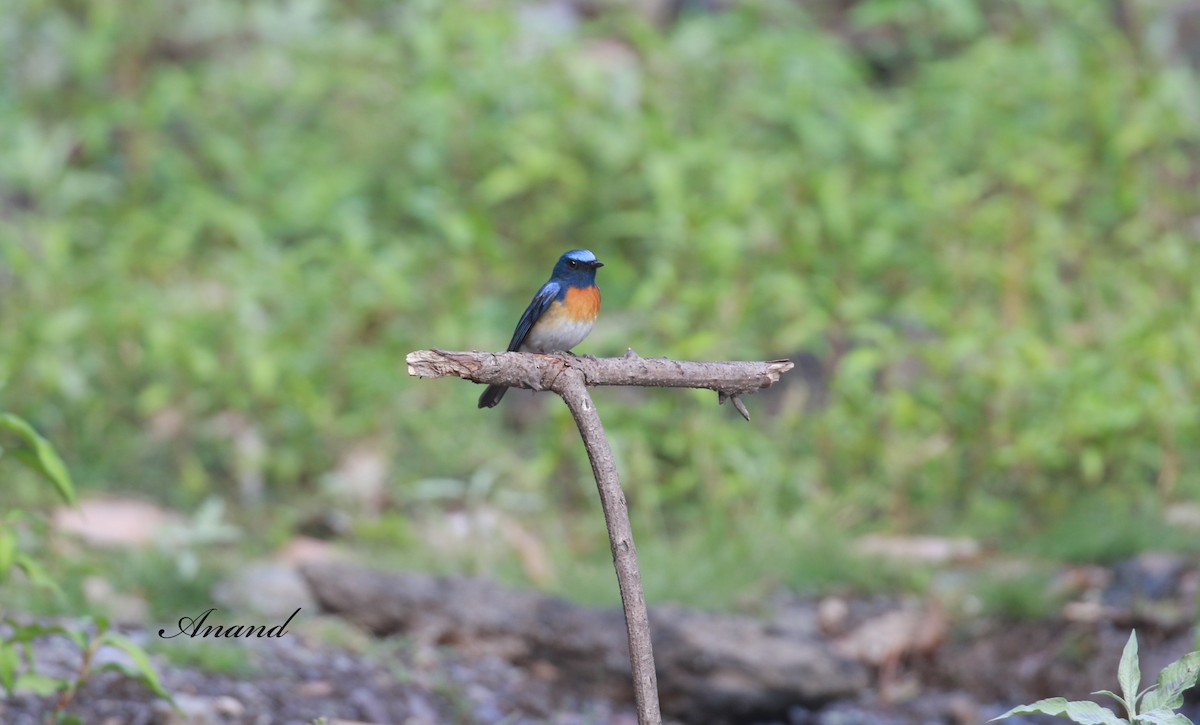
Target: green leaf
(1129, 672)
(39, 455)
(1114, 696)
(1049, 706)
(102, 625)
(78, 636)
(1174, 679)
(8, 551)
(9, 661)
(1087, 712)
(30, 632)
(25, 634)
(1162, 716)
(145, 669)
(1084, 712)
(38, 684)
(36, 572)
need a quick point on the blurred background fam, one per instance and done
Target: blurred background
(974, 226)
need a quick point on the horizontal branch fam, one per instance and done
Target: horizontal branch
(542, 372)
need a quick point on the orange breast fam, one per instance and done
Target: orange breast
(582, 303)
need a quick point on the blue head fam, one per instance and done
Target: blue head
(576, 268)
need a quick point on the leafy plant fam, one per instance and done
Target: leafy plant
(1156, 705)
(18, 668)
(36, 454)
(207, 527)
(18, 671)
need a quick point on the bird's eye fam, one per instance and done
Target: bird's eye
(573, 263)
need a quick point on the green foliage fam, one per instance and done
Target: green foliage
(169, 589)
(37, 455)
(18, 670)
(22, 676)
(229, 658)
(1023, 596)
(1074, 536)
(226, 223)
(207, 528)
(1155, 705)
(736, 563)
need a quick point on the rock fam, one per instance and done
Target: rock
(120, 608)
(1179, 33)
(369, 706)
(229, 707)
(190, 710)
(1183, 515)
(303, 549)
(116, 522)
(832, 615)
(315, 688)
(1149, 575)
(715, 667)
(712, 668)
(265, 588)
(542, 25)
(1088, 612)
(854, 714)
(1155, 587)
(952, 708)
(361, 476)
(919, 549)
(911, 630)
(482, 531)
(325, 525)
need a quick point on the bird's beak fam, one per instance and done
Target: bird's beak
(597, 264)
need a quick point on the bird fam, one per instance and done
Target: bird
(560, 315)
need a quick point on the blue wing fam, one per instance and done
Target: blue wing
(541, 302)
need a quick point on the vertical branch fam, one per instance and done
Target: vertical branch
(569, 376)
(620, 535)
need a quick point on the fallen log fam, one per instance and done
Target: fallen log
(712, 668)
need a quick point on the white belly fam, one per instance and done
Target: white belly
(556, 336)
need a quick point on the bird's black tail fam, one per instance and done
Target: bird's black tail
(491, 397)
